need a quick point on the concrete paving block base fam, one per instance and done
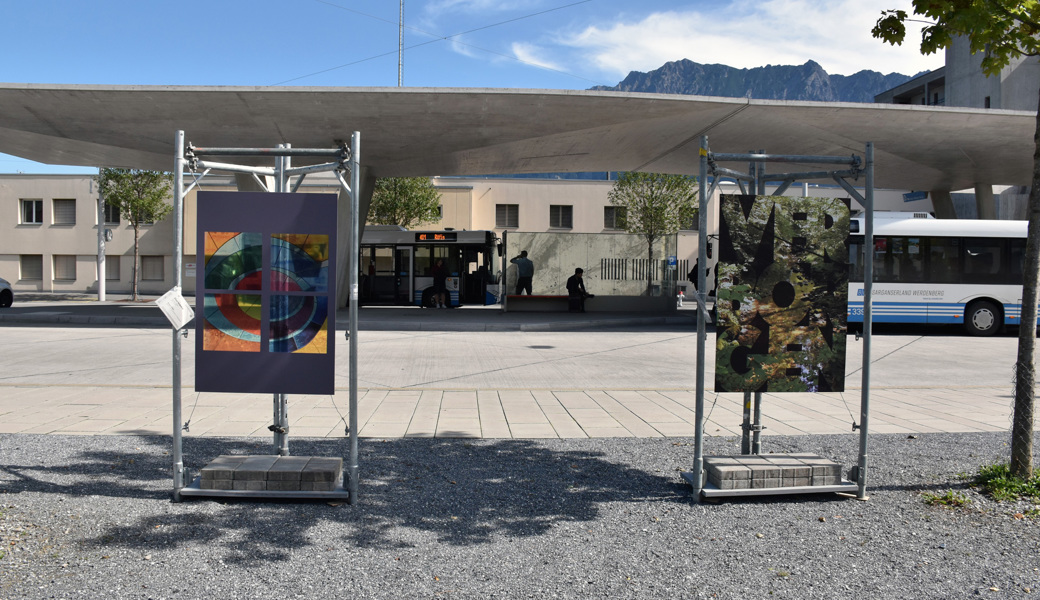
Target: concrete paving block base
(770, 471)
(273, 473)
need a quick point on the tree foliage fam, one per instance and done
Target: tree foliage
(404, 201)
(654, 205)
(1003, 30)
(141, 197)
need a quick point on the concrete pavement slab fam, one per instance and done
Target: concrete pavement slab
(563, 379)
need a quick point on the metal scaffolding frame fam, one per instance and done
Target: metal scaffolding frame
(757, 178)
(344, 158)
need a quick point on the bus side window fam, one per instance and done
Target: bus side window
(1017, 260)
(856, 259)
(982, 260)
(884, 261)
(942, 260)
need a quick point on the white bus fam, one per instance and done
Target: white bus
(940, 271)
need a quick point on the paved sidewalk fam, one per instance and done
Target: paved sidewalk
(518, 414)
(481, 373)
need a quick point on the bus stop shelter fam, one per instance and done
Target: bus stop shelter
(426, 132)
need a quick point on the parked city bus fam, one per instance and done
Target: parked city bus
(940, 271)
(396, 266)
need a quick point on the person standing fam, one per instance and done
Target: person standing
(576, 293)
(440, 283)
(524, 273)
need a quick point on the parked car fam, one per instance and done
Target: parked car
(6, 295)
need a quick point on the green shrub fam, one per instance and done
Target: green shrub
(998, 482)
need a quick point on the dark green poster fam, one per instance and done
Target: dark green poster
(782, 294)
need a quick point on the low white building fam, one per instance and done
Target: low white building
(49, 225)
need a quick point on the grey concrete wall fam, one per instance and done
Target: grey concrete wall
(612, 263)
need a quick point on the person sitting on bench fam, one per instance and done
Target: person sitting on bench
(576, 293)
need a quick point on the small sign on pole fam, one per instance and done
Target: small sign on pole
(176, 308)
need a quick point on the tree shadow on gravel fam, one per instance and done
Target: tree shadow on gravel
(459, 492)
(143, 472)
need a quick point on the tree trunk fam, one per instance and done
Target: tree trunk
(1025, 370)
(137, 261)
(649, 267)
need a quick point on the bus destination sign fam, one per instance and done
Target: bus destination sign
(436, 236)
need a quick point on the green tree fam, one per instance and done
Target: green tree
(653, 205)
(141, 197)
(404, 201)
(1004, 30)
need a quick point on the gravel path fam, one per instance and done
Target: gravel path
(89, 517)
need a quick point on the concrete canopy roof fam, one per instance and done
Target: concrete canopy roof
(444, 131)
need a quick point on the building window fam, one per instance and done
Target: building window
(152, 268)
(111, 268)
(32, 212)
(507, 215)
(64, 267)
(64, 212)
(986, 102)
(561, 216)
(693, 225)
(111, 214)
(613, 217)
(31, 266)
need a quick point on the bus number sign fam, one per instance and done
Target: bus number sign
(443, 236)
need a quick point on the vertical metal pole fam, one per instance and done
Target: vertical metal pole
(756, 423)
(702, 251)
(400, 48)
(756, 187)
(100, 246)
(178, 253)
(281, 401)
(745, 426)
(352, 278)
(756, 430)
(868, 288)
(276, 399)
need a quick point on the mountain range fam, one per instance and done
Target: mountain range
(771, 82)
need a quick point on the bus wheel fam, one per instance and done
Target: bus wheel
(982, 318)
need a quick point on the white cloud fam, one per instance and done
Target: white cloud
(749, 33)
(531, 54)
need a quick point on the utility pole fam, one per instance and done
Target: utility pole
(400, 48)
(101, 271)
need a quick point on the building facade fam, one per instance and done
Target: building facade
(49, 225)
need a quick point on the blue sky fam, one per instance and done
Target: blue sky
(546, 44)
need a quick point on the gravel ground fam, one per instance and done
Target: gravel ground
(88, 517)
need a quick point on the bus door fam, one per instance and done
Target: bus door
(474, 274)
(403, 268)
(379, 276)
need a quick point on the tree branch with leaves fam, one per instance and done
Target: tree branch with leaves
(653, 205)
(404, 201)
(140, 197)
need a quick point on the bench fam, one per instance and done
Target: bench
(524, 302)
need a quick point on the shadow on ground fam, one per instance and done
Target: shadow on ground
(418, 492)
(460, 492)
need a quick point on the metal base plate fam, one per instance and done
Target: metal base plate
(195, 491)
(711, 491)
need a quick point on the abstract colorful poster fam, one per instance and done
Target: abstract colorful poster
(782, 294)
(267, 291)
